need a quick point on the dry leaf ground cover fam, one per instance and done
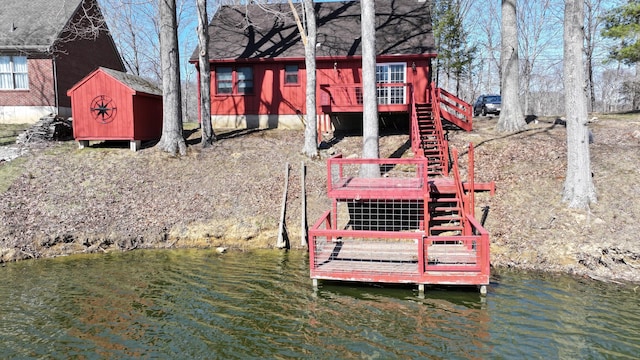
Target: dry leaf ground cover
(58, 200)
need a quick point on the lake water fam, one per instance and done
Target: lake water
(197, 304)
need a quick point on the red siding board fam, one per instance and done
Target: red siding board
(131, 116)
(149, 108)
(272, 97)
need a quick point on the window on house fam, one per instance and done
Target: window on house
(13, 73)
(231, 80)
(393, 73)
(224, 80)
(291, 74)
(245, 80)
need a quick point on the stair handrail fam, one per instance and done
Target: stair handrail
(471, 182)
(455, 110)
(437, 119)
(415, 130)
(460, 195)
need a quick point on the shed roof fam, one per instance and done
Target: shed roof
(269, 31)
(33, 24)
(133, 82)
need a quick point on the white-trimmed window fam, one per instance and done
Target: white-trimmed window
(13, 73)
(391, 73)
(291, 74)
(231, 80)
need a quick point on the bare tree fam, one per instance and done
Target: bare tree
(511, 118)
(593, 22)
(208, 136)
(370, 130)
(311, 127)
(579, 190)
(489, 64)
(538, 28)
(134, 26)
(172, 140)
(89, 25)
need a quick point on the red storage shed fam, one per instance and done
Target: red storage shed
(112, 105)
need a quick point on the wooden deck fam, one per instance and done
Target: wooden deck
(396, 188)
(381, 229)
(394, 259)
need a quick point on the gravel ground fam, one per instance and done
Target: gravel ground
(105, 197)
(8, 153)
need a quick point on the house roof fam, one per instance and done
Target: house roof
(33, 24)
(270, 31)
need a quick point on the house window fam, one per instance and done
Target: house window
(291, 75)
(393, 73)
(13, 73)
(245, 80)
(224, 80)
(231, 80)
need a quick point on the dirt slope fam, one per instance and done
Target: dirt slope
(108, 198)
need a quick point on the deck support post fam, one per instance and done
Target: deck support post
(315, 284)
(83, 144)
(483, 290)
(135, 145)
(421, 291)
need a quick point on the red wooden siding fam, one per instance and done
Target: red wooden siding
(147, 117)
(136, 116)
(271, 96)
(76, 59)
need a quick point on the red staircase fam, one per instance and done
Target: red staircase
(415, 223)
(432, 143)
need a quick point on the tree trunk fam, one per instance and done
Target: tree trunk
(636, 93)
(172, 140)
(511, 118)
(579, 190)
(311, 126)
(204, 69)
(370, 131)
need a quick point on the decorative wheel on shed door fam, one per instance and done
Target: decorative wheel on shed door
(103, 109)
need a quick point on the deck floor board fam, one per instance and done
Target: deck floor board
(389, 257)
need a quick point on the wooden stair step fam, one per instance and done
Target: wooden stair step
(446, 228)
(454, 217)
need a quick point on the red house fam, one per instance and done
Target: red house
(258, 68)
(46, 46)
(112, 105)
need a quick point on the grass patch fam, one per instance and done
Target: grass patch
(9, 171)
(191, 125)
(632, 116)
(9, 132)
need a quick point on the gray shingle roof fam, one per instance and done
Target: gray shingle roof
(251, 32)
(134, 82)
(33, 24)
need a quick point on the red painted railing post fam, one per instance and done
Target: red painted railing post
(472, 190)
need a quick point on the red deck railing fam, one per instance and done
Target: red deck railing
(398, 257)
(349, 97)
(453, 109)
(376, 231)
(378, 227)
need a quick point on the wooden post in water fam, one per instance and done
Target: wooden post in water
(303, 231)
(283, 239)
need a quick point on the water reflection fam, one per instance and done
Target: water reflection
(260, 304)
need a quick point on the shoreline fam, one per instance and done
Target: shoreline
(104, 198)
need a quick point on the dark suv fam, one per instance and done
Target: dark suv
(487, 104)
